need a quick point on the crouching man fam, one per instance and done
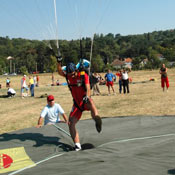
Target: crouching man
(51, 112)
(11, 92)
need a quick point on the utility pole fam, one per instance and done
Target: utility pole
(14, 67)
(36, 68)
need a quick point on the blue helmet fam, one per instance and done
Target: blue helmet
(70, 67)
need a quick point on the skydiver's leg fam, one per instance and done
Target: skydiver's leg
(94, 114)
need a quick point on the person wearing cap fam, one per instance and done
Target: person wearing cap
(51, 113)
(79, 86)
(24, 86)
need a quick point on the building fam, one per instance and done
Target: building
(128, 63)
(119, 64)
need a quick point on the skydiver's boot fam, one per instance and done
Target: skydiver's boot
(77, 147)
(98, 123)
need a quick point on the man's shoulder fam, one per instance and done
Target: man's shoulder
(56, 105)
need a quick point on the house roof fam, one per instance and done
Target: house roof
(128, 60)
(117, 62)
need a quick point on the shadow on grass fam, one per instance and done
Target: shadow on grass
(3, 96)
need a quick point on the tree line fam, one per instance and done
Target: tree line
(34, 55)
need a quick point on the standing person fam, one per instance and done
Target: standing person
(78, 83)
(120, 80)
(125, 80)
(164, 77)
(24, 86)
(8, 82)
(51, 112)
(53, 80)
(32, 86)
(37, 80)
(96, 89)
(109, 76)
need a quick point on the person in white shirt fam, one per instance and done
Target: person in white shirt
(24, 86)
(51, 113)
(34, 79)
(125, 80)
(11, 92)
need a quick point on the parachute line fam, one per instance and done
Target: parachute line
(57, 43)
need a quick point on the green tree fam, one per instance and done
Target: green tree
(97, 64)
(23, 70)
(52, 64)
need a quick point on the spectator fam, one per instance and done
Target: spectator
(8, 82)
(53, 80)
(110, 81)
(11, 92)
(57, 82)
(125, 80)
(24, 87)
(96, 89)
(164, 77)
(119, 74)
(32, 86)
(37, 80)
(51, 112)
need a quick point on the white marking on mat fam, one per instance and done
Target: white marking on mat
(44, 160)
(116, 141)
(137, 138)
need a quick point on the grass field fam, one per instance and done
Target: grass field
(145, 98)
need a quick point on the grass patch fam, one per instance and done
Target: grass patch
(145, 98)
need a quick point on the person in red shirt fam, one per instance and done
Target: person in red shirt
(37, 80)
(79, 85)
(119, 74)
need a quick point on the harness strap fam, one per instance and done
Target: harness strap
(82, 74)
(69, 86)
(78, 105)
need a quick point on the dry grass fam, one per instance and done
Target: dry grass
(144, 99)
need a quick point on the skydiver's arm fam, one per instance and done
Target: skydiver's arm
(59, 68)
(88, 90)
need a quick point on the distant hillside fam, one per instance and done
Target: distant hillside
(32, 55)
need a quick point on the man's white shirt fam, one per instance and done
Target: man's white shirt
(51, 114)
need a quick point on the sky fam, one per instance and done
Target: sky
(74, 19)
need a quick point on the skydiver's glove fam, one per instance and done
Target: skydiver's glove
(86, 99)
(59, 59)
